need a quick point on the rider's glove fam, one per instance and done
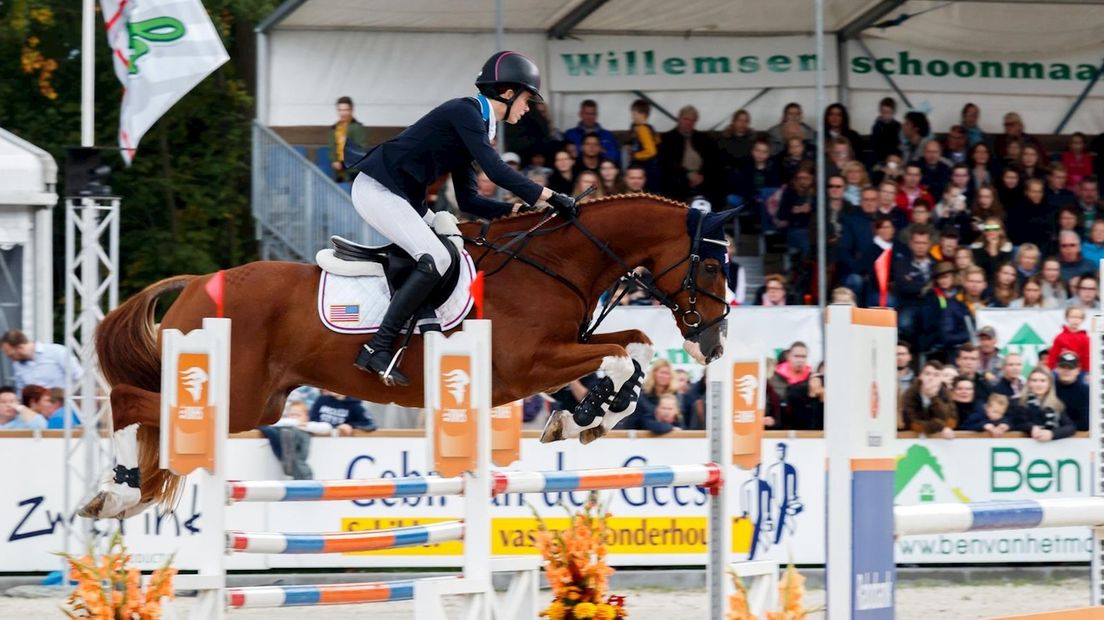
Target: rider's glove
(563, 204)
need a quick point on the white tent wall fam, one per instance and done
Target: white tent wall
(393, 77)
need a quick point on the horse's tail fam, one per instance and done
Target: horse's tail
(126, 343)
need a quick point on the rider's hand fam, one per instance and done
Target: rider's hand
(521, 207)
(563, 204)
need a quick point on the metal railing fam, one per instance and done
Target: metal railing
(296, 205)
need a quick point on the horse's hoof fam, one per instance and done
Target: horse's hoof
(554, 429)
(93, 508)
(591, 434)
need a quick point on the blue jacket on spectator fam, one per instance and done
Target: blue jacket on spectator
(950, 317)
(857, 237)
(1076, 269)
(971, 416)
(336, 411)
(611, 150)
(1075, 396)
(910, 280)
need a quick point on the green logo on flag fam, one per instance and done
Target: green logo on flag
(155, 30)
(1028, 344)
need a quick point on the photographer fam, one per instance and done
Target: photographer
(1040, 414)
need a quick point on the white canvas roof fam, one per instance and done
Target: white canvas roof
(27, 173)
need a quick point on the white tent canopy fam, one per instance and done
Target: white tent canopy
(27, 178)
(396, 59)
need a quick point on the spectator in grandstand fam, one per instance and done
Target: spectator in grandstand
(989, 357)
(919, 215)
(347, 128)
(838, 209)
(1011, 381)
(585, 180)
(636, 179)
(912, 274)
(843, 295)
(992, 249)
(915, 134)
(1005, 287)
(986, 205)
(856, 239)
(1088, 198)
(863, 278)
(957, 148)
(948, 376)
(1030, 220)
(773, 292)
(1071, 262)
(737, 140)
(55, 415)
(343, 413)
(688, 159)
(960, 178)
(837, 124)
(512, 160)
(951, 211)
(910, 190)
(855, 178)
(590, 155)
(1010, 187)
(562, 179)
(887, 204)
(1014, 131)
(946, 318)
(1056, 194)
(588, 124)
(935, 170)
(968, 362)
(1088, 292)
(839, 155)
(756, 177)
(1027, 261)
(1092, 249)
(1077, 161)
(612, 183)
(995, 421)
(925, 407)
(983, 168)
(905, 374)
(38, 399)
(970, 116)
(794, 370)
(1032, 166)
(1072, 388)
(666, 416)
(963, 260)
(1012, 155)
(947, 245)
(797, 151)
(796, 209)
(889, 169)
(37, 363)
(972, 293)
(804, 403)
(644, 146)
(885, 134)
(1072, 338)
(1053, 285)
(969, 407)
(16, 416)
(792, 113)
(1031, 295)
(1040, 414)
(290, 439)
(659, 381)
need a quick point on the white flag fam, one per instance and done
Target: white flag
(161, 50)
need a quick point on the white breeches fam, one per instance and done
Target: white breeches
(397, 220)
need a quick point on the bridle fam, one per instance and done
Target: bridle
(690, 316)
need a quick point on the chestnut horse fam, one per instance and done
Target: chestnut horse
(539, 304)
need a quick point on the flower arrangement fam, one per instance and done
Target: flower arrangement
(575, 564)
(109, 589)
(791, 591)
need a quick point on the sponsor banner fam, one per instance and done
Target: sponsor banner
(925, 70)
(626, 63)
(778, 507)
(1028, 332)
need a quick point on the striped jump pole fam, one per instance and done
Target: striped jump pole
(708, 475)
(344, 542)
(343, 490)
(314, 595)
(998, 515)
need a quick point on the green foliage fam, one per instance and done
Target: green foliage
(186, 197)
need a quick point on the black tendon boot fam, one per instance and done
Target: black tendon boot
(378, 356)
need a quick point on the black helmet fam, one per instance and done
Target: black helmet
(509, 69)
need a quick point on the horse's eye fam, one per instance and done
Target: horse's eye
(710, 268)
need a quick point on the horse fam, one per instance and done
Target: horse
(540, 297)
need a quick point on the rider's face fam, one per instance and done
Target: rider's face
(520, 107)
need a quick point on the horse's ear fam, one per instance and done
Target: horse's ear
(713, 221)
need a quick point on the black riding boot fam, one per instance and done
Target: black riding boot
(378, 356)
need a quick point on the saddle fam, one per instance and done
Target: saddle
(351, 271)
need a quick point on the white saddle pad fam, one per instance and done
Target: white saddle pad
(355, 305)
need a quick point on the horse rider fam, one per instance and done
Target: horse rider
(389, 193)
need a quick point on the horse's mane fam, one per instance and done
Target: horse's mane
(587, 205)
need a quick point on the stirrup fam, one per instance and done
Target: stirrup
(368, 361)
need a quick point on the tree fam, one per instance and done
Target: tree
(186, 197)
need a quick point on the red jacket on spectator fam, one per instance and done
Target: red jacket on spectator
(1077, 167)
(905, 204)
(1078, 342)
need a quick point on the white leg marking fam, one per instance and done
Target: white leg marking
(114, 499)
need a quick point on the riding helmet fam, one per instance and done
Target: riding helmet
(509, 69)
